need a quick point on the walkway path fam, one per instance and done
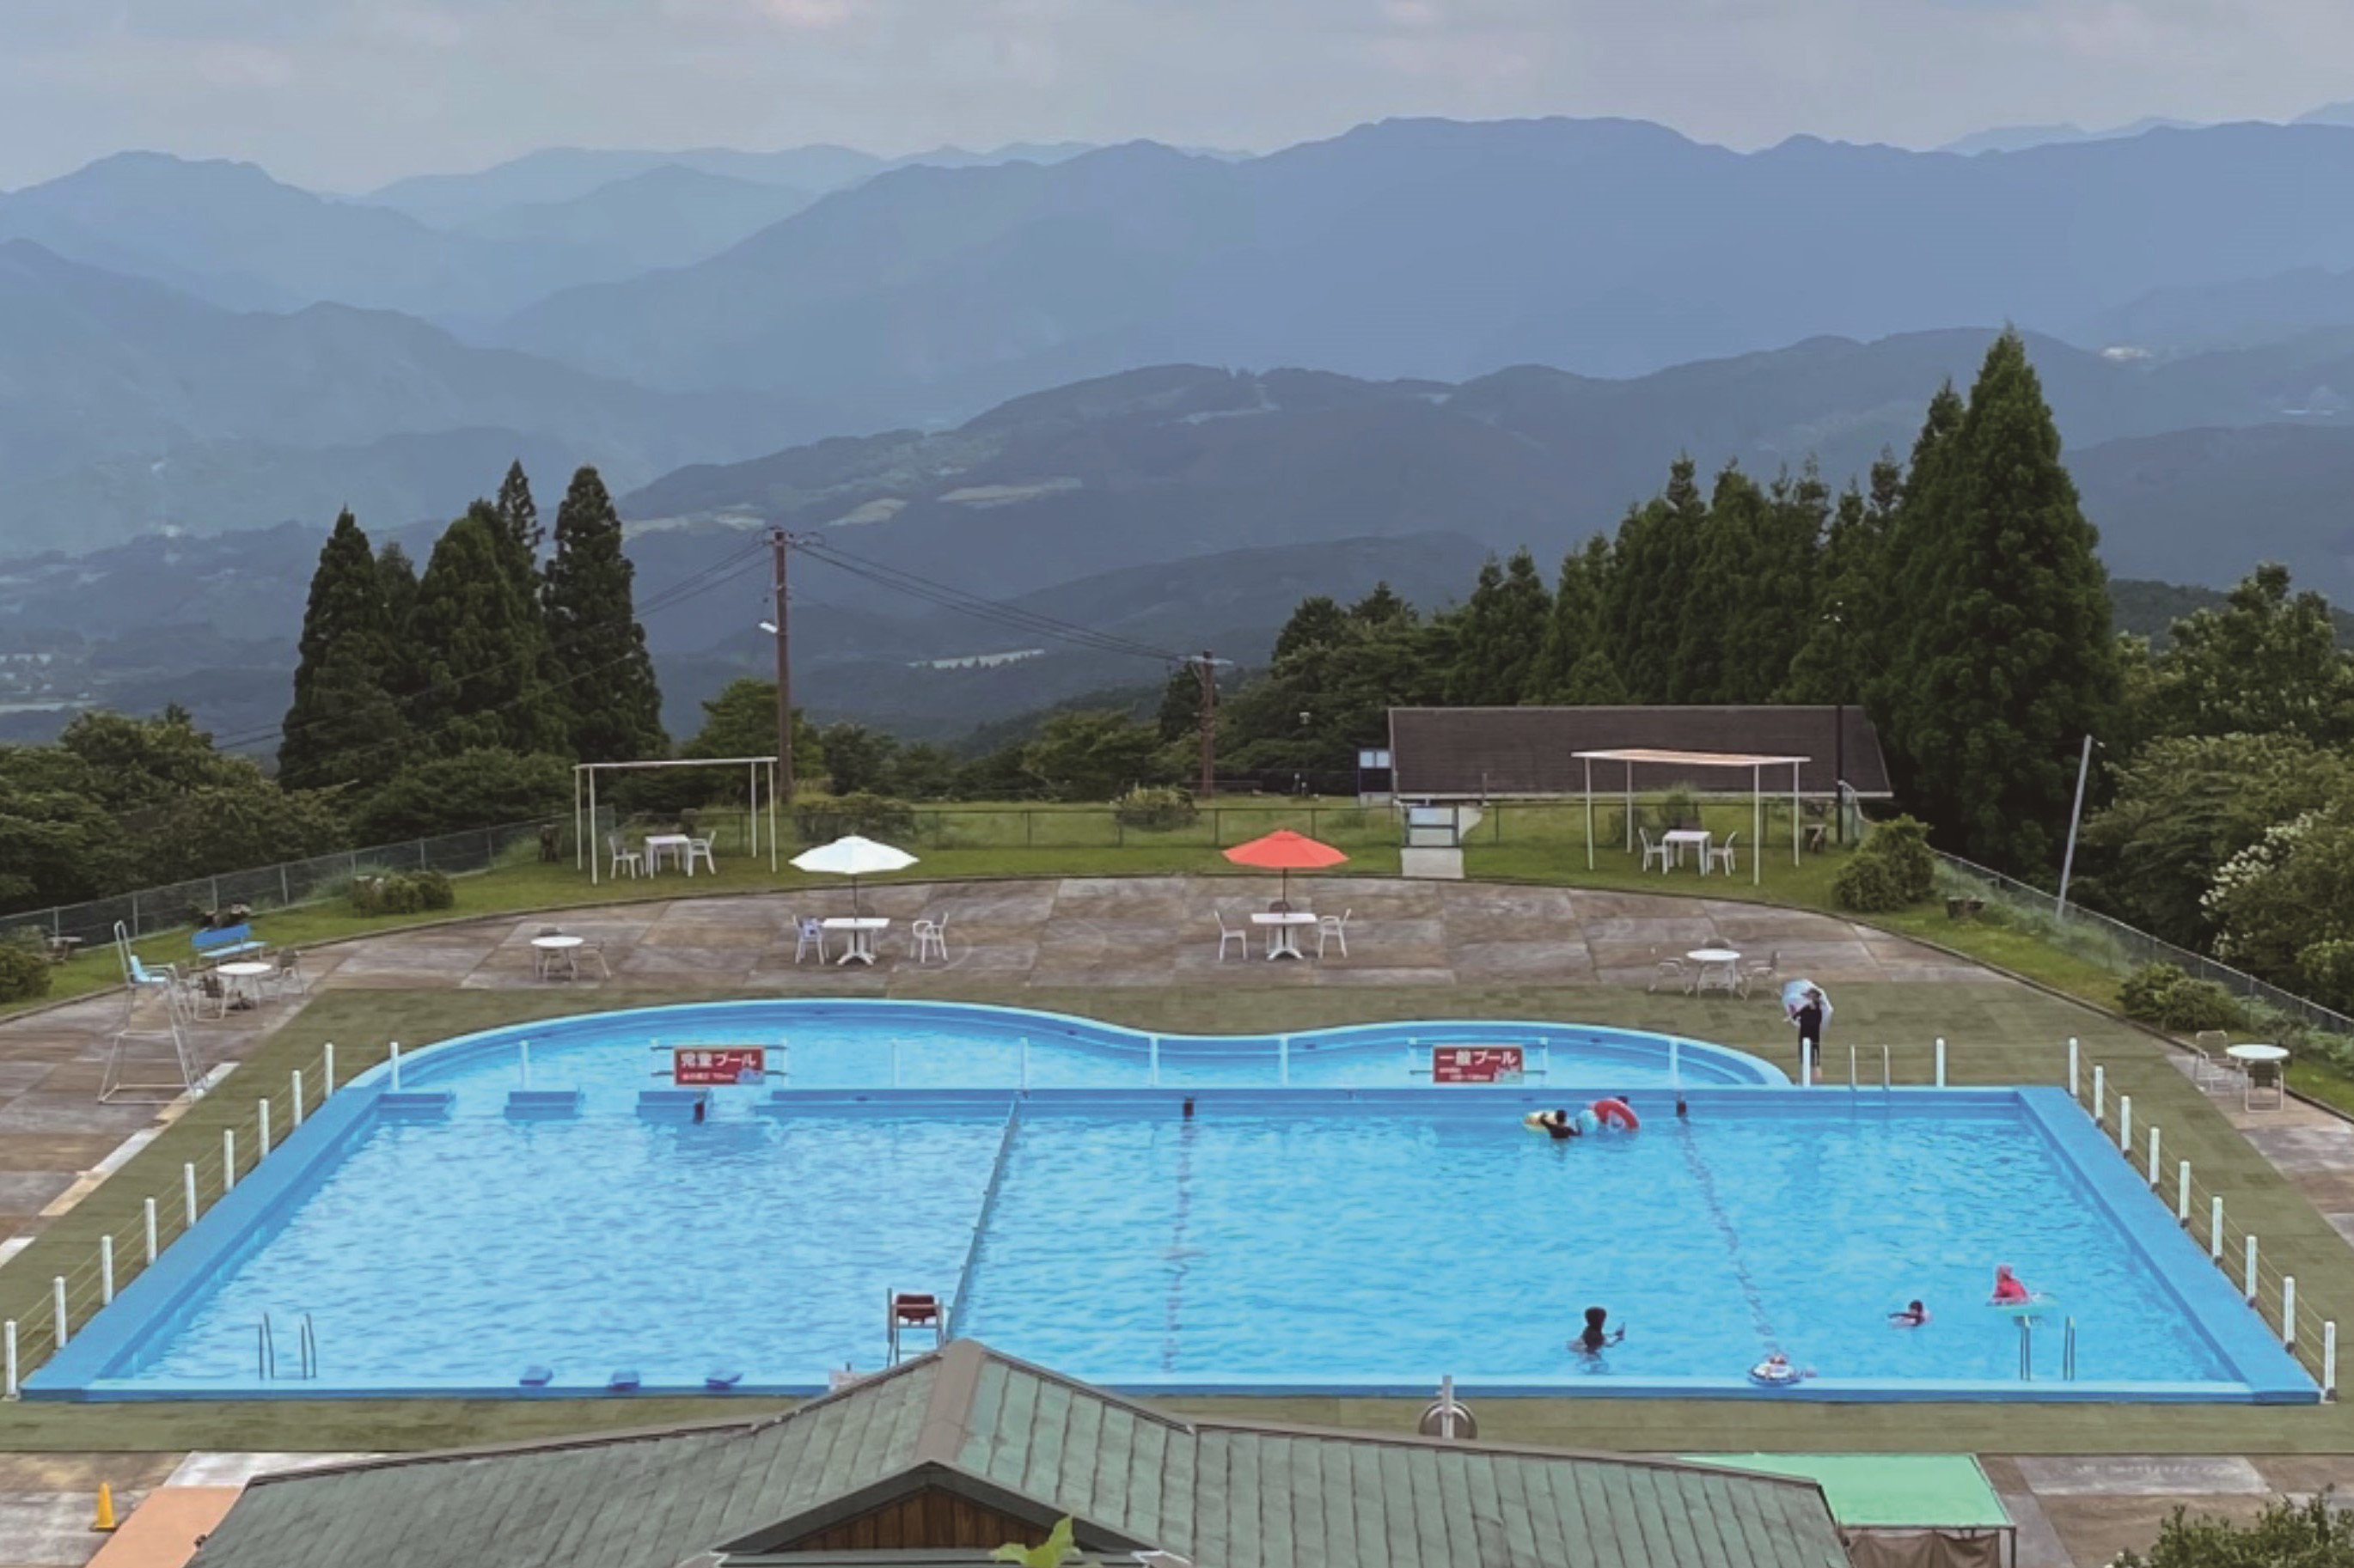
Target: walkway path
(1142, 941)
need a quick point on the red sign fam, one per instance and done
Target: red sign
(1476, 1063)
(701, 1067)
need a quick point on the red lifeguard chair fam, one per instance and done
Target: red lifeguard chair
(912, 1313)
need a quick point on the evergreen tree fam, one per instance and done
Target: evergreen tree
(519, 515)
(346, 722)
(1716, 587)
(1382, 606)
(1317, 623)
(403, 674)
(593, 635)
(1502, 626)
(1649, 598)
(1574, 664)
(2009, 661)
(397, 575)
(480, 651)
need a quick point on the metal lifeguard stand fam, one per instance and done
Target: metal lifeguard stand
(912, 1314)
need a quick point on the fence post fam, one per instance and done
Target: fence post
(261, 1119)
(2289, 1312)
(2125, 1125)
(188, 1184)
(2329, 1357)
(1941, 1061)
(228, 1158)
(106, 1271)
(2153, 1157)
(9, 1335)
(151, 1230)
(2075, 1090)
(327, 1072)
(2100, 1093)
(285, 888)
(216, 903)
(2215, 1229)
(2182, 1194)
(295, 1085)
(57, 1305)
(2249, 1279)
(396, 1066)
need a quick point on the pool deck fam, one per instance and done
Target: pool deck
(1142, 951)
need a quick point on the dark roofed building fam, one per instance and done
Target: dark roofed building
(1477, 754)
(942, 1459)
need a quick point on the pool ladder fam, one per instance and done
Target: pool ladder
(2067, 1350)
(306, 1350)
(1885, 1080)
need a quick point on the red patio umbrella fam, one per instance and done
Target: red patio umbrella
(1285, 852)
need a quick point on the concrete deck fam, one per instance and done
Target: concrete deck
(1137, 942)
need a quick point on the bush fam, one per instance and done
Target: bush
(2316, 1533)
(2327, 971)
(24, 967)
(1866, 885)
(1894, 870)
(403, 893)
(819, 819)
(2142, 995)
(2163, 995)
(1156, 809)
(480, 789)
(1679, 808)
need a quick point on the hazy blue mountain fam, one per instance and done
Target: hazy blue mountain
(2019, 138)
(1435, 249)
(2329, 114)
(568, 173)
(257, 418)
(667, 217)
(230, 234)
(2242, 311)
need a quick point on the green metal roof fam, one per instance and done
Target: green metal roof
(1223, 1494)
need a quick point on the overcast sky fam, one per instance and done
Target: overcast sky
(345, 94)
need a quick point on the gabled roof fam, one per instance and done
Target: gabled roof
(1223, 1493)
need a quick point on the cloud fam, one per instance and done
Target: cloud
(346, 94)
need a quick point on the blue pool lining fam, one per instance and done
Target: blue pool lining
(780, 1016)
(2261, 1370)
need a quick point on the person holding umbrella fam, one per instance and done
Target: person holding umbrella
(1808, 1010)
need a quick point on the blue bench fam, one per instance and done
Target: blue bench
(226, 942)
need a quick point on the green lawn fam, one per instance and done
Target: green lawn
(1997, 1034)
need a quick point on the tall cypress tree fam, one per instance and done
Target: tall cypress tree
(345, 722)
(1649, 596)
(593, 634)
(480, 649)
(519, 515)
(2010, 660)
(1574, 664)
(1503, 625)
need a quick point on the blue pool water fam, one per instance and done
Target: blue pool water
(1317, 1238)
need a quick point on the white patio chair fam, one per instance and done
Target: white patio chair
(811, 931)
(1652, 852)
(289, 974)
(2210, 1066)
(700, 848)
(1767, 969)
(932, 939)
(1333, 928)
(625, 859)
(1722, 854)
(1668, 970)
(1228, 934)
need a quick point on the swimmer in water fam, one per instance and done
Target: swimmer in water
(1593, 1338)
(1913, 1316)
(2009, 1286)
(1559, 1125)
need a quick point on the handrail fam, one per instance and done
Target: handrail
(308, 1344)
(265, 1352)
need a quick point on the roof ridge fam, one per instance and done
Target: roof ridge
(1483, 1447)
(740, 1425)
(947, 1421)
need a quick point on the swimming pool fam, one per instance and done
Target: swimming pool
(1196, 1238)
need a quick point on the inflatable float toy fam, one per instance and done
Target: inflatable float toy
(1775, 1372)
(1607, 1112)
(1614, 1112)
(2034, 1303)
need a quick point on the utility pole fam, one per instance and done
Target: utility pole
(781, 543)
(2068, 864)
(1206, 668)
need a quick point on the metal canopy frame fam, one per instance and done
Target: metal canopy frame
(1755, 764)
(584, 785)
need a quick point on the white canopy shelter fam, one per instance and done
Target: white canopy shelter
(584, 789)
(1756, 765)
(852, 857)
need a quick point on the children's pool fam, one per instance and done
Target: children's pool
(1187, 1237)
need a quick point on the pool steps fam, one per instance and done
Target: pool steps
(673, 1104)
(416, 1105)
(543, 1105)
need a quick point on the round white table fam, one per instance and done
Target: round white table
(241, 977)
(860, 930)
(549, 951)
(1719, 969)
(1282, 929)
(2252, 1057)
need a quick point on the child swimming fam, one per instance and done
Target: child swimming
(1911, 1316)
(1592, 1337)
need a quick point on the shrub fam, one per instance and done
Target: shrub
(2316, 1533)
(403, 893)
(1866, 885)
(2163, 995)
(2142, 995)
(2326, 969)
(820, 818)
(1156, 808)
(24, 965)
(1677, 808)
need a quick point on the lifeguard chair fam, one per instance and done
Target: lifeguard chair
(912, 1314)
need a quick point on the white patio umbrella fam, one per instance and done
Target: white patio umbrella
(853, 857)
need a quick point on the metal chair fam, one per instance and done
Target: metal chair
(1652, 852)
(811, 931)
(1228, 934)
(624, 857)
(2210, 1065)
(932, 939)
(1335, 929)
(1664, 970)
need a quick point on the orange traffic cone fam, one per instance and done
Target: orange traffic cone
(105, 1519)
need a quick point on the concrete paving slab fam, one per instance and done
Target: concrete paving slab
(2132, 1477)
(234, 1469)
(50, 1528)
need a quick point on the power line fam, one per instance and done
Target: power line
(995, 611)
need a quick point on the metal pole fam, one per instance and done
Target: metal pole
(2100, 1093)
(773, 816)
(2068, 861)
(1630, 808)
(228, 1158)
(1941, 1061)
(294, 1083)
(8, 1335)
(777, 541)
(2182, 1193)
(57, 1305)
(106, 1271)
(2074, 1091)
(2289, 1312)
(1756, 823)
(151, 1230)
(2125, 1125)
(593, 861)
(2329, 1356)
(262, 1117)
(1794, 817)
(1207, 671)
(579, 839)
(1589, 812)
(188, 1186)
(396, 1066)
(1839, 766)
(327, 1072)
(2248, 1277)
(2153, 1157)
(2215, 1229)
